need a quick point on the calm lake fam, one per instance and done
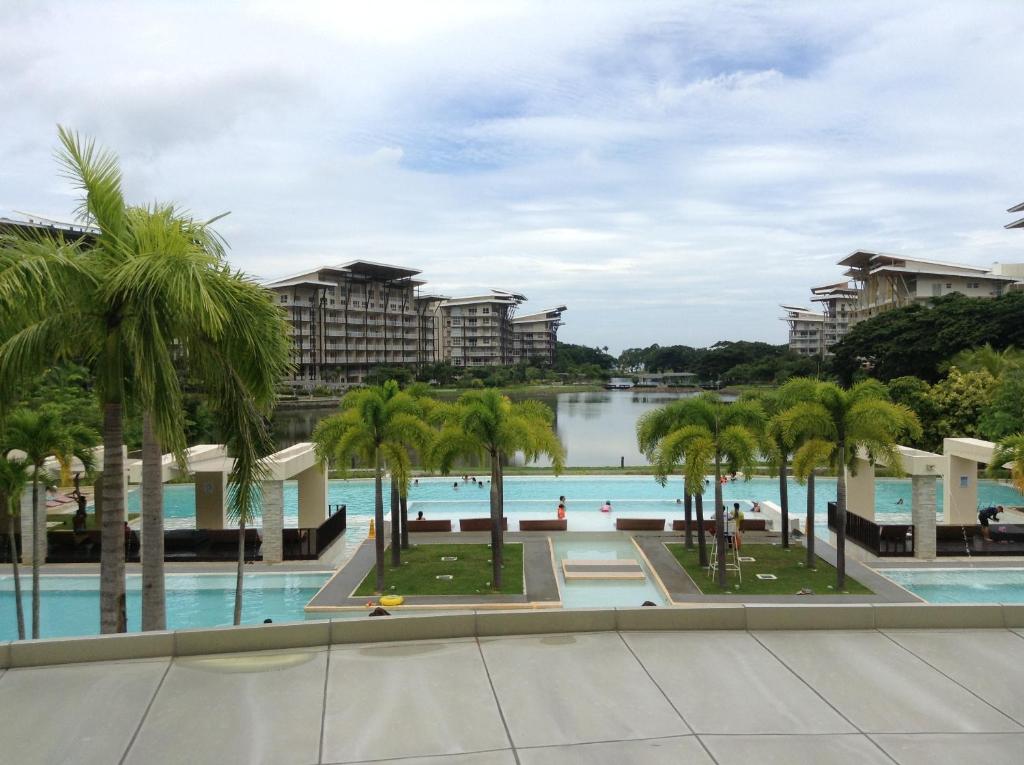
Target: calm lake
(596, 428)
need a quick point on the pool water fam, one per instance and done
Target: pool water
(961, 585)
(604, 593)
(69, 605)
(584, 494)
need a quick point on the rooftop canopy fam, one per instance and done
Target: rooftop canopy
(381, 271)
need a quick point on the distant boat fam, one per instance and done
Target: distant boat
(619, 383)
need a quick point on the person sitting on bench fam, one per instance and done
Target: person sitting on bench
(987, 515)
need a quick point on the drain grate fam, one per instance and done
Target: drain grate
(766, 577)
(747, 559)
(449, 558)
(444, 577)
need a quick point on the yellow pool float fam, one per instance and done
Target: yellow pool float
(392, 600)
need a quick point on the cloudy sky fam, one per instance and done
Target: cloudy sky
(671, 172)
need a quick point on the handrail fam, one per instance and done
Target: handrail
(883, 540)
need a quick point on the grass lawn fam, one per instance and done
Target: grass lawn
(422, 564)
(787, 565)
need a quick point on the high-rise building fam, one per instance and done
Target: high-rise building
(346, 320)
(886, 281)
(806, 330)
(477, 331)
(536, 334)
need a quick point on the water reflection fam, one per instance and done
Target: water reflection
(597, 428)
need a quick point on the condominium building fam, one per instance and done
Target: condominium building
(535, 335)
(477, 331)
(345, 320)
(1017, 223)
(806, 330)
(884, 281)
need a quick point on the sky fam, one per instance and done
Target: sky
(671, 172)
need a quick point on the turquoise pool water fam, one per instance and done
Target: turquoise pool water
(961, 585)
(605, 593)
(70, 604)
(584, 494)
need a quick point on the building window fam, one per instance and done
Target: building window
(284, 298)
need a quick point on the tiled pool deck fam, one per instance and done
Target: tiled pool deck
(611, 692)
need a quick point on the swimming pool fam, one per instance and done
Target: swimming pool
(69, 605)
(961, 585)
(603, 593)
(584, 494)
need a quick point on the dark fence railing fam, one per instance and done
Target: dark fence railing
(309, 543)
(200, 545)
(885, 541)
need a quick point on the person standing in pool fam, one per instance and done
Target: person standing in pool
(606, 507)
(985, 517)
(561, 511)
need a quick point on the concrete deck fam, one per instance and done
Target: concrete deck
(725, 696)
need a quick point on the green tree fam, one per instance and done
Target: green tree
(124, 302)
(1011, 450)
(14, 477)
(850, 420)
(987, 359)
(960, 400)
(488, 424)
(376, 424)
(1004, 414)
(40, 435)
(700, 434)
(777, 447)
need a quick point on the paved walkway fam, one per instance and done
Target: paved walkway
(728, 697)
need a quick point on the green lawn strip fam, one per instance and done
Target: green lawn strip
(787, 565)
(422, 564)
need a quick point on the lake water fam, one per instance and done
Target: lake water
(597, 428)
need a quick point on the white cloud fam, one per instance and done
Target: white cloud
(670, 171)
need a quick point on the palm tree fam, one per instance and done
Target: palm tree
(777, 447)
(988, 359)
(703, 433)
(14, 477)
(147, 291)
(859, 418)
(1010, 450)
(488, 424)
(376, 424)
(41, 435)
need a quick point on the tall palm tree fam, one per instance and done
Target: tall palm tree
(14, 477)
(1010, 450)
(376, 424)
(777, 448)
(146, 291)
(704, 433)
(859, 418)
(40, 435)
(488, 424)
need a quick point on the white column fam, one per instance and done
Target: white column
(273, 521)
(211, 500)
(922, 507)
(860, 490)
(312, 496)
(960, 491)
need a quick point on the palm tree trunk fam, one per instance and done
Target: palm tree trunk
(841, 518)
(719, 523)
(688, 518)
(154, 610)
(784, 500)
(240, 573)
(702, 545)
(495, 522)
(112, 595)
(403, 503)
(18, 606)
(809, 526)
(36, 551)
(396, 525)
(378, 519)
